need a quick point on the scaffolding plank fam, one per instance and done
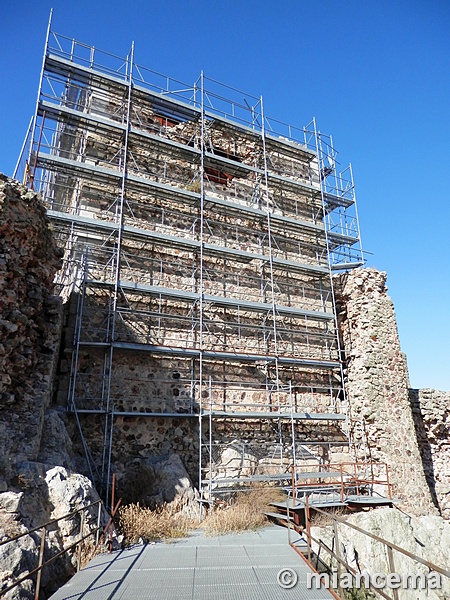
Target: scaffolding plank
(253, 478)
(168, 190)
(215, 355)
(216, 300)
(135, 413)
(171, 241)
(332, 201)
(347, 265)
(287, 222)
(304, 416)
(57, 111)
(61, 66)
(277, 477)
(60, 112)
(232, 166)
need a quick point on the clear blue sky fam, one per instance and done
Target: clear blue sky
(375, 74)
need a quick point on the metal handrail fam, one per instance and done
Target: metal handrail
(424, 562)
(68, 516)
(44, 527)
(347, 477)
(390, 546)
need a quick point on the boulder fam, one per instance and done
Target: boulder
(160, 479)
(49, 493)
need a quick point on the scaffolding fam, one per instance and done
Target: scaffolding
(200, 236)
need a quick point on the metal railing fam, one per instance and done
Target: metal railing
(343, 478)
(47, 527)
(335, 552)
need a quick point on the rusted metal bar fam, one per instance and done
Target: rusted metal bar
(48, 523)
(332, 592)
(338, 553)
(99, 516)
(288, 514)
(418, 559)
(113, 489)
(41, 558)
(109, 523)
(388, 483)
(392, 569)
(308, 525)
(79, 549)
(355, 476)
(350, 569)
(51, 559)
(342, 483)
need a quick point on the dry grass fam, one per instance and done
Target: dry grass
(88, 551)
(139, 523)
(246, 512)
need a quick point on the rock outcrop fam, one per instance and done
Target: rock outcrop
(47, 493)
(160, 480)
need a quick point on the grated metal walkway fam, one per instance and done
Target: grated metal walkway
(228, 567)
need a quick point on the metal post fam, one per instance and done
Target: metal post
(388, 482)
(294, 450)
(320, 153)
(288, 514)
(41, 558)
(392, 568)
(338, 555)
(272, 279)
(210, 444)
(109, 409)
(33, 173)
(294, 491)
(201, 273)
(80, 548)
(200, 487)
(356, 213)
(355, 474)
(28, 137)
(113, 489)
(41, 78)
(98, 523)
(308, 526)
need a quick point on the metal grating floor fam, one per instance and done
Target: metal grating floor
(228, 567)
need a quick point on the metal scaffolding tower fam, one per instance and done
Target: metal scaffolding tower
(199, 235)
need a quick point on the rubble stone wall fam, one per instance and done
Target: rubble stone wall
(33, 436)
(378, 382)
(30, 323)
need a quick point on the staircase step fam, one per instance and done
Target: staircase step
(278, 516)
(297, 505)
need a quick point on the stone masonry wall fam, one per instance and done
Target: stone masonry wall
(30, 324)
(377, 383)
(431, 414)
(33, 437)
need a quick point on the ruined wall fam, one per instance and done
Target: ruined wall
(30, 321)
(33, 437)
(377, 382)
(431, 414)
